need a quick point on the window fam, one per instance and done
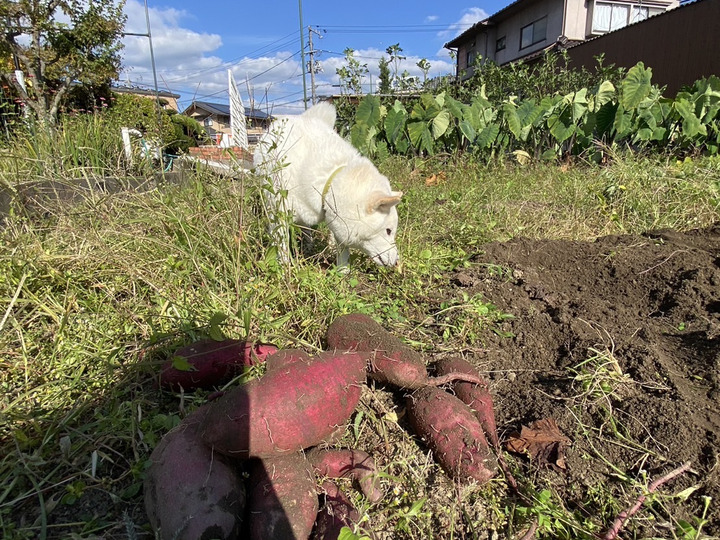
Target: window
(533, 33)
(500, 44)
(609, 16)
(208, 122)
(470, 59)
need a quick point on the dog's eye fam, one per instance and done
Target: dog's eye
(388, 231)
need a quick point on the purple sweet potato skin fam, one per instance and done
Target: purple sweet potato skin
(452, 432)
(283, 501)
(393, 362)
(476, 396)
(190, 491)
(336, 513)
(348, 463)
(288, 409)
(284, 357)
(213, 363)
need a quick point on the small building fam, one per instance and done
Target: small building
(215, 118)
(526, 28)
(168, 100)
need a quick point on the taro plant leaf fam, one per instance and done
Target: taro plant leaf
(622, 123)
(395, 123)
(579, 104)
(359, 136)
(368, 112)
(455, 107)
(659, 134)
(511, 117)
(560, 124)
(691, 125)
(382, 151)
(529, 112)
(418, 112)
(467, 130)
(604, 94)
(605, 118)
(487, 136)
(636, 86)
(440, 124)
(420, 136)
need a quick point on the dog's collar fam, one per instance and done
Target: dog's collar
(326, 187)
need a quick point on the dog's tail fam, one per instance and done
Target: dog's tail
(323, 111)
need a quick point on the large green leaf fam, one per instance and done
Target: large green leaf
(605, 93)
(579, 104)
(511, 117)
(622, 124)
(395, 124)
(560, 130)
(368, 112)
(636, 86)
(468, 130)
(417, 131)
(455, 107)
(418, 112)
(440, 124)
(691, 125)
(487, 136)
(529, 113)
(605, 117)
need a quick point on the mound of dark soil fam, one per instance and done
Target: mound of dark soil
(618, 340)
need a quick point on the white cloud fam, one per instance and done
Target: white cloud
(469, 17)
(185, 61)
(431, 18)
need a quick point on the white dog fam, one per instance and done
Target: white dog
(317, 175)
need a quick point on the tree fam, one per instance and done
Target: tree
(351, 75)
(57, 43)
(393, 51)
(384, 86)
(424, 66)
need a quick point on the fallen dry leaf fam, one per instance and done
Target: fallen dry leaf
(543, 441)
(435, 179)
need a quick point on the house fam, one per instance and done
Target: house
(215, 117)
(526, 28)
(168, 100)
(680, 46)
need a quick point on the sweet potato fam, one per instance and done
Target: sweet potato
(452, 432)
(285, 357)
(211, 363)
(283, 501)
(348, 463)
(476, 396)
(190, 491)
(392, 361)
(288, 409)
(337, 512)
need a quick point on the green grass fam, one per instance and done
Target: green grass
(94, 296)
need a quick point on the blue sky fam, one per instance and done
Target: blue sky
(195, 43)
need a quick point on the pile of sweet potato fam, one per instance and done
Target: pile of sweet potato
(247, 464)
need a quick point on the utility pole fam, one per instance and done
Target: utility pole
(302, 54)
(311, 52)
(152, 59)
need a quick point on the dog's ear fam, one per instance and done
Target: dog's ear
(382, 202)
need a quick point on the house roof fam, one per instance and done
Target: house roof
(224, 110)
(141, 90)
(512, 9)
(495, 18)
